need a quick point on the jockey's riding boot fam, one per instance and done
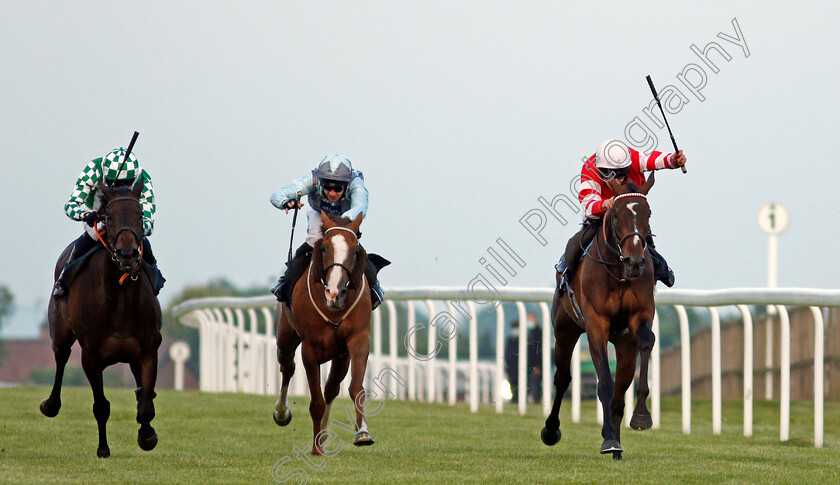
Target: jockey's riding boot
(562, 267)
(294, 270)
(278, 289)
(149, 257)
(376, 295)
(661, 271)
(59, 291)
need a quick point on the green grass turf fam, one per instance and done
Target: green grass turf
(230, 438)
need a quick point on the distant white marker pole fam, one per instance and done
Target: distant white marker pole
(179, 352)
(773, 219)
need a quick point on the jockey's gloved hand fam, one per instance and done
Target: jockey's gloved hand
(291, 204)
(91, 218)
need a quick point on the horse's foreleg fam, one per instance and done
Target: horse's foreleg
(287, 343)
(63, 339)
(359, 351)
(101, 407)
(316, 401)
(145, 374)
(338, 371)
(641, 416)
(566, 338)
(597, 328)
(625, 370)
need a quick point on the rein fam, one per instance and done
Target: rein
(340, 265)
(113, 252)
(312, 300)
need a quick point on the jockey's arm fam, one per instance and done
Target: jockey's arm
(289, 192)
(147, 203)
(656, 160)
(358, 194)
(76, 206)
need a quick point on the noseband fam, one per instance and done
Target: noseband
(340, 265)
(617, 249)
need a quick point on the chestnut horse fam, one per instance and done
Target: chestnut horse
(113, 313)
(614, 289)
(330, 317)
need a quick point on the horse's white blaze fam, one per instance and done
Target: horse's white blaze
(340, 252)
(632, 208)
(325, 420)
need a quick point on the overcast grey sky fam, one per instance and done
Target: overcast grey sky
(460, 114)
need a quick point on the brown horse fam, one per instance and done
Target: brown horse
(614, 288)
(330, 316)
(113, 313)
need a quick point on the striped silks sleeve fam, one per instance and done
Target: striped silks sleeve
(655, 161)
(79, 203)
(147, 203)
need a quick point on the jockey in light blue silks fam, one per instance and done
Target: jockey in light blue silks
(338, 190)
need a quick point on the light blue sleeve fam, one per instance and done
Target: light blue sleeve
(358, 199)
(288, 192)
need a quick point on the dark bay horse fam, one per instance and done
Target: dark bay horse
(330, 318)
(113, 313)
(614, 290)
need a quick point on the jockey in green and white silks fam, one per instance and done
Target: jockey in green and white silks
(85, 203)
(337, 189)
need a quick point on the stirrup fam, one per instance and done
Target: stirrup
(58, 290)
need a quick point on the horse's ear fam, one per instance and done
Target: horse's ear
(616, 187)
(356, 223)
(106, 192)
(137, 187)
(326, 221)
(644, 189)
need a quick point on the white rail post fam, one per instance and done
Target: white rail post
(522, 364)
(748, 369)
(473, 357)
(431, 364)
(392, 342)
(500, 356)
(412, 344)
(655, 378)
(453, 357)
(377, 342)
(784, 381)
(685, 354)
(576, 384)
(819, 385)
(271, 364)
(716, 372)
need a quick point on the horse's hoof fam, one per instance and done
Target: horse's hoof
(103, 452)
(611, 446)
(363, 438)
(48, 410)
(148, 443)
(286, 419)
(550, 438)
(641, 421)
(616, 455)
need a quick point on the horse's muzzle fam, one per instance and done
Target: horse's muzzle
(127, 258)
(633, 268)
(335, 298)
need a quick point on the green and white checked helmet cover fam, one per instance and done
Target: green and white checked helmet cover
(111, 165)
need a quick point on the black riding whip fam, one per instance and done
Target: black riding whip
(656, 97)
(127, 153)
(294, 220)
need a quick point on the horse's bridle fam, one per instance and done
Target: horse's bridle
(349, 274)
(109, 245)
(340, 265)
(617, 249)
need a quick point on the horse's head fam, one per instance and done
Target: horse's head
(340, 256)
(627, 226)
(123, 223)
